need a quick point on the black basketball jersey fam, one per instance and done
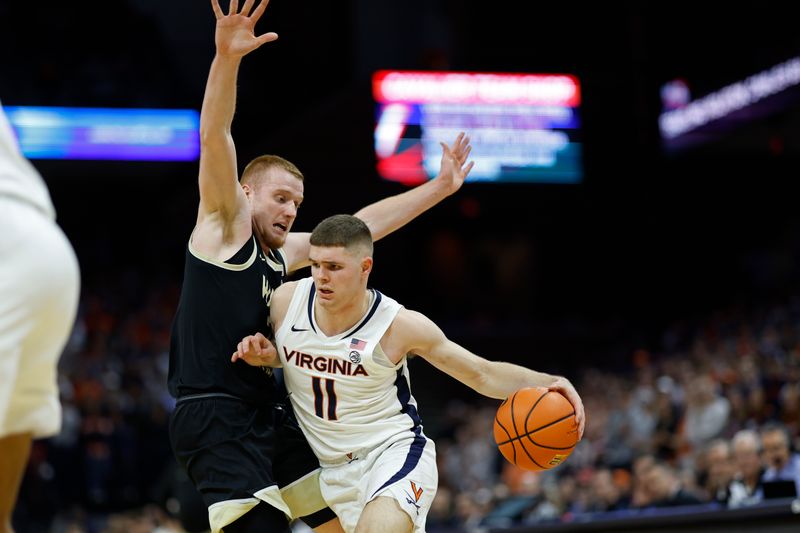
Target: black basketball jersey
(220, 304)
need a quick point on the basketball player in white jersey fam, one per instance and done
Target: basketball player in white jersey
(39, 282)
(343, 350)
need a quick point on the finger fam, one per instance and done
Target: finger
(248, 5)
(466, 155)
(446, 151)
(468, 168)
(234, 357)
(267, 38)
(217, 10)
(233, 8)
(259, 10)
(457, 142)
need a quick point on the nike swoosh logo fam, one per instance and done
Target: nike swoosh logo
(298, 329)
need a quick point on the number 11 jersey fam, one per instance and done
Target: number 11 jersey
(347, 396)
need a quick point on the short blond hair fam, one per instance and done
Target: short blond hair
(256, 169)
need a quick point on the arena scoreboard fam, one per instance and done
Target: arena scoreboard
(523, 127)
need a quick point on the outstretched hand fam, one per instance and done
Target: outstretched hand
(453, 172)
(235, 34)
(256, 350)
(564, 386)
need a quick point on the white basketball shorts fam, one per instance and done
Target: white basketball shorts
(404, 470)
(39, 284)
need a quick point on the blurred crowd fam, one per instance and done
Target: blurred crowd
(711, 418)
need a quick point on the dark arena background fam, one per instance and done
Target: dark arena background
(665, 282)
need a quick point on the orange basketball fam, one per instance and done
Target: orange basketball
(535, 428)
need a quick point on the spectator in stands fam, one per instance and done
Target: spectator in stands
(605, 494)
(706, 412)
(780, 462)
(665, 487)
(719, 470)
(745, 489)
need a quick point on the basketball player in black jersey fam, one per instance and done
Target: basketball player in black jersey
(229, 428)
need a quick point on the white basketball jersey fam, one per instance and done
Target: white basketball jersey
(346, 394)
(18, 178)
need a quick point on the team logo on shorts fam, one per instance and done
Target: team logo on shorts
(355, 357)
(417, 491)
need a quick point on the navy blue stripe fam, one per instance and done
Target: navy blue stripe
(369, 315)
(311, 306)
(418, 445)
(404, 396)
(412, 459)
(317, 396)
(331, 399)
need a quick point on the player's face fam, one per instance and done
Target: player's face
(340, 275)
(274, 203)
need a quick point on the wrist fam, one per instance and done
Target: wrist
(439, 187)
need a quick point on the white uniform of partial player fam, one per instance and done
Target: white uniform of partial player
(356, 410)
(39, 282)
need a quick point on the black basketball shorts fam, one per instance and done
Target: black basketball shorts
(237, 455)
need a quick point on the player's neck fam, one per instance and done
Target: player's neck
(335, 320)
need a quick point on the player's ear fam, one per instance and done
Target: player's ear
(366, 265)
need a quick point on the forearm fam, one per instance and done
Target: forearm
(387, 215)
(500, 380)
(219, 101)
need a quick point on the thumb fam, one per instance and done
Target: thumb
(266, 38)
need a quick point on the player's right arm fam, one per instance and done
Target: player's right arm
(413, 332)
(223, 217)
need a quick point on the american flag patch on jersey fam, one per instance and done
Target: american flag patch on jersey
(357, 344)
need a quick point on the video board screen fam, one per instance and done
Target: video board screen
(106, 133)
(523, 127)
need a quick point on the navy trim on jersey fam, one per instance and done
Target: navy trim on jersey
(404, 396)
(415, 451)
(369, 315)
(311, 306)
(412, 459)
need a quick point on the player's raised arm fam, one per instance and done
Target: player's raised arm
(387, 215)
(415, 333)
(392, 213)
(220, 193)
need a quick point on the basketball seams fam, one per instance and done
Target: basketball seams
(503, 417)
(530, 412)
(553, 423)
(516, 431)
(510, 439)
(514, 423)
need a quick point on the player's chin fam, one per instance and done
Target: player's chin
(275, 239)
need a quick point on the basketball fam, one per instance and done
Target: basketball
(535, 428)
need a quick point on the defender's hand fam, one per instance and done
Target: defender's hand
(235, 35)
(256, 350)
(453, 172)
